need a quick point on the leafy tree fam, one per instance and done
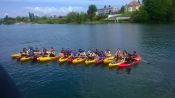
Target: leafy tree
(75, 17)
(6, 17)
(8, 20)
(141, 15)
(31, 16)
(82, 17)
(122, 10)
(1, 21)
(18, 19)
(157, 11)
(173, 6)
(91, 11)
(169, 10)
(72, 17)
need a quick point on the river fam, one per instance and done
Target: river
(154, 42)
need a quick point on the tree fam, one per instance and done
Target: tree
(122, 10)
(72, 17)
(169, 10)
(31, 16)
(6, 17)
(91, 11)
(82, 17)
(8, 20)
(75, 17)
(1, 21)
(157, 11)
(173, 6)
(24, 19)
(18, 18)
(153, 7)
(141, 15)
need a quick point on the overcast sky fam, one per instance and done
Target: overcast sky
(15, 8)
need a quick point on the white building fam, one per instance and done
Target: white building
(106, 10)
(133, 6)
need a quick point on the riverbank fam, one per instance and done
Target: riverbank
(54, 21)
(63, 21)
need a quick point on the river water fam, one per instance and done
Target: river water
(155, 43)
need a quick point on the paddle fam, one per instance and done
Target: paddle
(146, 61)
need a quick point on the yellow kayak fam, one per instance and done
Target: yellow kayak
(62, 60)
(16, 55)
(109, 55)
(108, 60)
(44, 59)
(78, 60)
(90, 61)
(23, 59)
(116, 64)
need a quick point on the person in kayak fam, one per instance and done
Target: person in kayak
(80, 50)
(107, 53)
(92, 55)
(44, 52)
(117, 54)
(31, 51)
(68, 51)
(88, 52)
(122, 55)
(36, 52)
(32, 54)
(74, 53)
(66, 55)
(63, 51)
(97, 52)
(101, 55)
(24, 52)
(52, 49)
(82, 54)
(125, 53)
(128, 58)
(52, 52)
(134, 54)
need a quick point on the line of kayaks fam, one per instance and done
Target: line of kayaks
(108, 60)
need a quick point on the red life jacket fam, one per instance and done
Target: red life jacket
(36, 51)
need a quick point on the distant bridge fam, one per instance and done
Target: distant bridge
(117, 17)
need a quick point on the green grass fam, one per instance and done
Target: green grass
(126, 14)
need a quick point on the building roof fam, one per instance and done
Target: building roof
(133, 3)
(109, 8)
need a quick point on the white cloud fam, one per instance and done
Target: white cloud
(40, 11)
(6, 14)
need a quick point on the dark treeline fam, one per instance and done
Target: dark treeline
(156, 11)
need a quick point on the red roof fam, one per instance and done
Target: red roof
(133, 3)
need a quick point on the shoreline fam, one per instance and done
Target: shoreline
(91, 23)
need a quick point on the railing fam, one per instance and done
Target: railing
(117, 17)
